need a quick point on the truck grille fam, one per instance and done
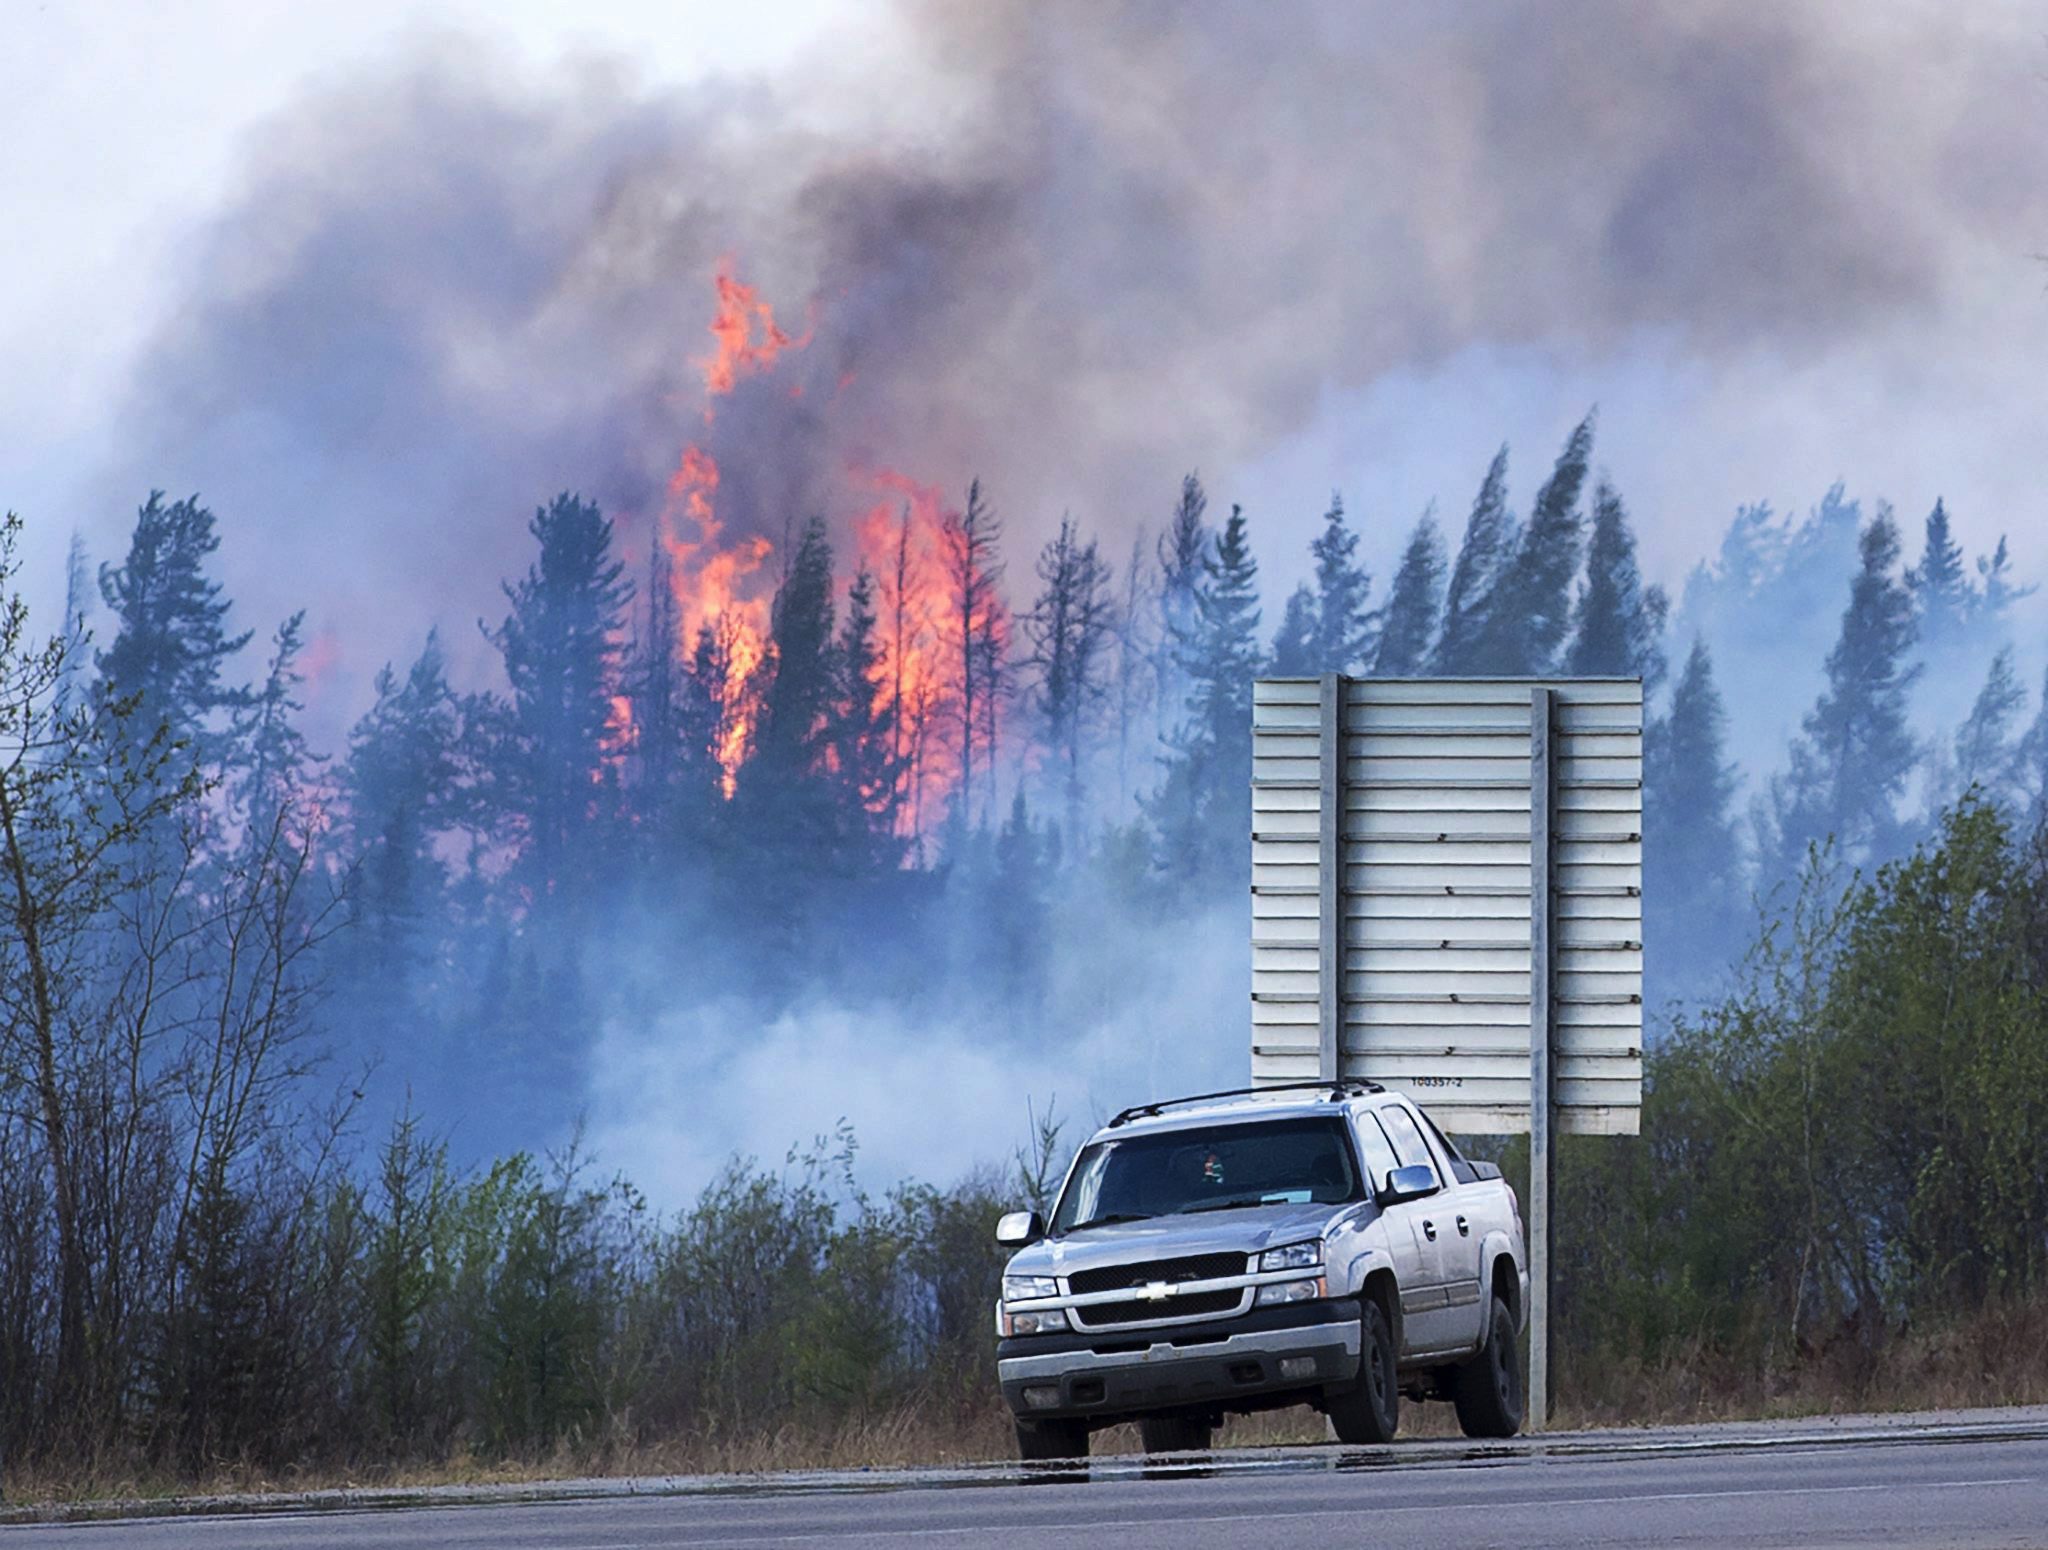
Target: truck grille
(1197, 1306)
(1196, 1267)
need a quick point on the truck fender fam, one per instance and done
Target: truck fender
(1501, 1274)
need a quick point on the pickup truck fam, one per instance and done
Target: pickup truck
(1318, 1243)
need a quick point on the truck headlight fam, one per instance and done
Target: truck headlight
(1290, 1291)
(1035, 1323)
(1025, 1288)
(1296, 1256)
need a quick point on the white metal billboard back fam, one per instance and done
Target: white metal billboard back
(1434, 951)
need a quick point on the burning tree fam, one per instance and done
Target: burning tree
(978, 629)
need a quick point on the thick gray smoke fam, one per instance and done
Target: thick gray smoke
(1076, 250)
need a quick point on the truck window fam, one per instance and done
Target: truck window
(1460, 1168)
(1226, 1167)
(1408, 1143)
(1378, 1150)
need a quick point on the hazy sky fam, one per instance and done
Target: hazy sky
(126, 124)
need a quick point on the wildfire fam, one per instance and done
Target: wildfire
(748, 337)
(897, 540)
(715, 583)
(619, 736)
(723, 599)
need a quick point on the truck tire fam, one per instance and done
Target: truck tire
(1041, 1440)
(1487, 1387)
(1176, 1433)
(1370, 1413)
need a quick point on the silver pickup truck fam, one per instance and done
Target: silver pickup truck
(1322, 1244)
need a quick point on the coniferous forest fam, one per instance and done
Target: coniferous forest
(297, 1038)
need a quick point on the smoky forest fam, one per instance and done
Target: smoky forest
(298, 1039)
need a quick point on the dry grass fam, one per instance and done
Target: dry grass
(1999, 1357)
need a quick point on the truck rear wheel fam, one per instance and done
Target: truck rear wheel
(1370, 1413)
(1487, 1387)
(1039, 1440)
(1176, 1433)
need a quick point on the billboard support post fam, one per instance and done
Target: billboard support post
(1542, 1048)
(1330, 879)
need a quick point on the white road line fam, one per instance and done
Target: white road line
(842, 1535)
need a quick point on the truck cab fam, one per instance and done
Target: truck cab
(1320, 1244)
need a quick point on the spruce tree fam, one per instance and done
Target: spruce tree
(1344, 619)
(1182, 548)
(793, 851)
(1484, 551)
(1617, 622)
(1294, 645)
(272, 761)
(655, 689)
(1994, 582)
(1203, 809)
(800, 674)
(562, 649)
(2029, 767)
(1408, 626)
(1855, 751)
(864, 761)
(1528, 611)
(171, 643)
(1135, 663)
(79, 586)
(1942, 593)
(976, 626)
(1692, 886)
(1983, 750)
(1068, 628)
(405, 780)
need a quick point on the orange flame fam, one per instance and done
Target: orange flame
(721, 586)
(620, 737)
(748, 337)
(897, 540)
(717, 584)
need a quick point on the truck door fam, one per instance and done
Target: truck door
(1459, 1216)
(1414, 1239)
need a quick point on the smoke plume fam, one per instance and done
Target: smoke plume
(1075, 250)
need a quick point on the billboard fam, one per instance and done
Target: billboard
(1439, 866)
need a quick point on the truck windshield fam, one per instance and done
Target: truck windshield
(1213, 1168)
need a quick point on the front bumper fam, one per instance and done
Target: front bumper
(1219, 1365)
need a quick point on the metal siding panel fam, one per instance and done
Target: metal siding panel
(1434, 912)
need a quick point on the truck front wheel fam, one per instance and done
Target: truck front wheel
(1041, 1440)
(1370, 1413)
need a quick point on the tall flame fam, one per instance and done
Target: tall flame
(897, 541)
(718, 583)
(714, 582)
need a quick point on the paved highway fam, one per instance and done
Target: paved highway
(1947, 1483)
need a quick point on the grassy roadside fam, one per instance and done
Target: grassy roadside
(1998, 1358)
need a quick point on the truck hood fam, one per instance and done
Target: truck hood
(1249, 1231)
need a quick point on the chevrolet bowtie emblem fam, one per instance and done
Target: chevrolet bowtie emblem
(1156, 1291)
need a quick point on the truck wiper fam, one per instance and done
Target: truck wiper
(1240, 1203)
(1111, 1219)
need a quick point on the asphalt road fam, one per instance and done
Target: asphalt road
(1943, 1483)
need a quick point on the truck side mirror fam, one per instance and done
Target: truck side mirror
(1409, 1183)
(1015, 1229)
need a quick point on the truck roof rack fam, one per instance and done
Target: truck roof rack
(1346, 1087)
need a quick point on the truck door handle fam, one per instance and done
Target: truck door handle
(1429, 1231)
(1464, 1228)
